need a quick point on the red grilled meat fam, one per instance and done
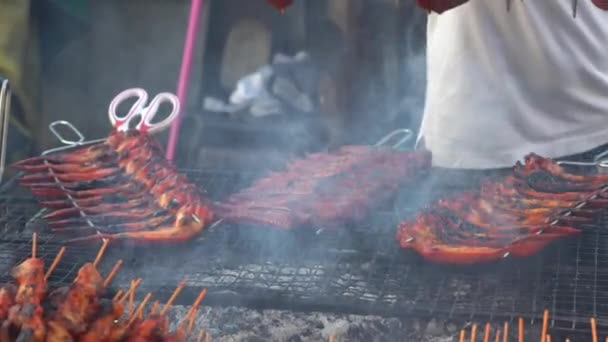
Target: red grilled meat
(124, 185)
(324, 190)
(515, 215)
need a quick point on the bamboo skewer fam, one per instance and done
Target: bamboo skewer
(486, 333)
(593, 330)
(543, 336)
(112, 273)
(54, 263)
(117, 295)
(199, 338)
(191, 314)
(131, 298)
(34, 244)
(191, 324)
(521, 330)
(102, 250)
(140, 308)
(131, 291)
(154, 308)
(473, 332)
(179, 289)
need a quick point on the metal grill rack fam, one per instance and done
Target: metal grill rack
(355, 270)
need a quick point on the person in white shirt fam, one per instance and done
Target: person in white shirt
(502, 84)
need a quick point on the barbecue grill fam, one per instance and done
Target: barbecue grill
(358, 270)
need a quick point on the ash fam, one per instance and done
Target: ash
(241, 324)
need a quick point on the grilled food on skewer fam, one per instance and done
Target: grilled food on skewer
(124, 185)
(82, 314)
(324, 190)
(515, 215)
(24, 321)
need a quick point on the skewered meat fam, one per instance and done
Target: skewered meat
(515, 215)
(81, 305)
(325, 189)
(24, 320)
(81, 301)
(7, 300)
(124, 186)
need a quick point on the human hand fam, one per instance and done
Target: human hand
(439, 6)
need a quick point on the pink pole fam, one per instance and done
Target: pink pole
(184, 72)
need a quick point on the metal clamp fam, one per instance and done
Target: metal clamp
(67, 143)
(600, 161)
(408, 134)
(70, 126)
(5, 108)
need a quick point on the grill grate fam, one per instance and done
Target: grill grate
(355, 270)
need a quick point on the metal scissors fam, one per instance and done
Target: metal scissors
(141, 112)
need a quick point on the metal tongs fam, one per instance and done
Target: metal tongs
(5, 108)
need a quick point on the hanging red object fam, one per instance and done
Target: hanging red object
(281, 5)
(603, 4)
(440, 6)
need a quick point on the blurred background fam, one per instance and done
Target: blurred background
(360, 72)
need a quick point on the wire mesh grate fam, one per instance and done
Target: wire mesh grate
(358, 269)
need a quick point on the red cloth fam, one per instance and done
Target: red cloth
(441, 6)
(603, 4)
(281, 5)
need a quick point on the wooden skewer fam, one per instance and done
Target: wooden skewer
(55, 262)
(34, 244)
(112, 273)
(593, 330)
(102, 250)
(505, 330)
(497, 339)
(117, 295)
(132, 289)
(486, 333)
(543, 336)
(195, 305)
(461, 339)
(473, 332)
(199, 338)
(179, 289)
(131, 298)
(191, 324)
(154, 308)
(140, 308)
(521, 330)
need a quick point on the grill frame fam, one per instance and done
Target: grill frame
(357, 270)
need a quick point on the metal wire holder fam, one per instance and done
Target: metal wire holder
(68, 144)
(5, 109)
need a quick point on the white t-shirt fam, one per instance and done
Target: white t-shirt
(503, 84)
